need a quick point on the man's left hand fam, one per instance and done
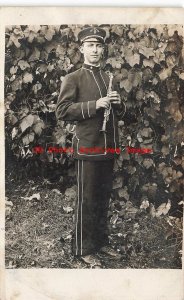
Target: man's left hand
(114, 97)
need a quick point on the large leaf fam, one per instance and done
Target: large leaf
(37, 87)
(34, 28)
(159, 56)
(146, 132)
(148, 63)
(163, 209)
(27, 122)
(70, 194)
(154, 96)
(49, 34)
(148, 163)
(117, 29)
(177, 116)
(27, 77)
(28, 138)
(23, 64)
(42, 68)
(147, 52)
(123, 193)
(13, 70)
(147, 75)
(144, 204)
(38, 127)
(76, 29)
(52, 46)
(126, 84)
(115, 62)
(17, 84)
(52, 107)
(133, 59)
(66, 64)
(50, 67)
(35, 55)
(181, 76)
(11, 119)
(60, 139)
(60, 51)
(135, 78)
(31, 32)
(20, 53)
(14, 39)
(124, 73)
(117, 183)
(140, 95)
(75, 56)
(171, 61)
(165, 73)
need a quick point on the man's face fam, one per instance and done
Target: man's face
(92, 50)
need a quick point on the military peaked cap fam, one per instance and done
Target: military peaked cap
(92, 32)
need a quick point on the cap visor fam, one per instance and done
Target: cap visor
(93, 39)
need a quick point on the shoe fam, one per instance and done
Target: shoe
(91, 260)
(110, 251)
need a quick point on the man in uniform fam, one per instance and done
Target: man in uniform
(83, 98)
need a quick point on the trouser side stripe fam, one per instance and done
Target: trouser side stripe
(82, 201)
(77, 211)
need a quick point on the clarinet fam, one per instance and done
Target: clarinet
(107, 111)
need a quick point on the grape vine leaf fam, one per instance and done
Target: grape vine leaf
(28, 138)
(23, 64)
(38, 127)
(27, 77)
(27, 122)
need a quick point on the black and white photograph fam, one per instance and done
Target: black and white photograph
(94, 146)
(94, 153)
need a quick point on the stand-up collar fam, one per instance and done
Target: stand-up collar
(91, 68)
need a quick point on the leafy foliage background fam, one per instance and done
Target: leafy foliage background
(147, 62)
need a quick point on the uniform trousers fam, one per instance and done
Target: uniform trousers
(94, 186)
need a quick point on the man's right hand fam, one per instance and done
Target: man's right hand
(103, 102)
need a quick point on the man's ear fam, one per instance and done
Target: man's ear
(102, 55)
(81, 49)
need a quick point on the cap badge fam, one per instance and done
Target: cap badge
(95, 30)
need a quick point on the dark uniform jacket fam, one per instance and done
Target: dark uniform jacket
(77, 102)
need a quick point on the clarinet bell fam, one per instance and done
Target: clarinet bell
(103, 127)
